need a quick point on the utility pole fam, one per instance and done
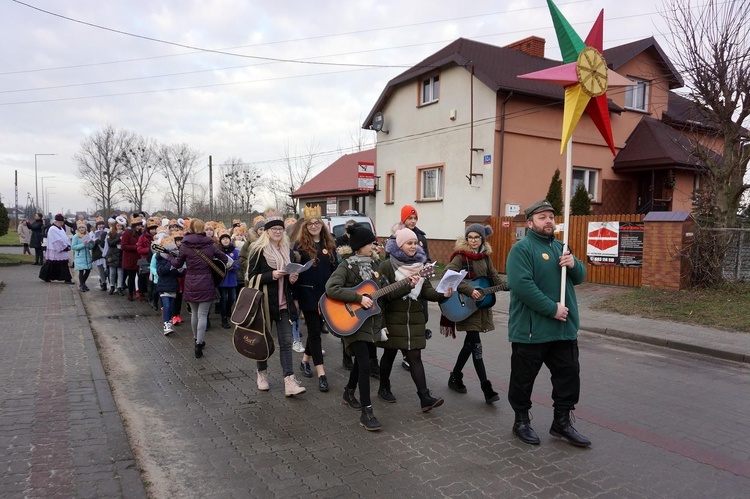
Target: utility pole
(16, 198)
(210, 188)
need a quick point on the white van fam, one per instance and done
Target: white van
(336, 223)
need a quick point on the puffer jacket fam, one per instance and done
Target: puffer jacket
(81, 252)
(481, 320)
(114, 254)
(338, 287)
(168, 281)
(199, 284)
(404, 316)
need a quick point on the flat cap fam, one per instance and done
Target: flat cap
(538, 207)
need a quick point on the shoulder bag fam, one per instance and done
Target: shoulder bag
(251, 336)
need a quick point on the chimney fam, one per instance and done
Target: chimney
(533, 45)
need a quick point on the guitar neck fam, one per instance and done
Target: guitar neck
(391, 287)
(492, 289)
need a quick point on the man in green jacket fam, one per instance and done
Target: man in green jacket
(542, 330)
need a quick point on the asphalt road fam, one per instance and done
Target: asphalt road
(663, 423)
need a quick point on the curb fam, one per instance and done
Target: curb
(675, 345)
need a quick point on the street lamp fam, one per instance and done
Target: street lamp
(36, 178)
(45, 208)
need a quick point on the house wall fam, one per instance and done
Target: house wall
(426, 135)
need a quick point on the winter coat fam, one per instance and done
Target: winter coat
(114, 254)
(82, 252)
(199, 284)
(404, 316)
(24, 233)
(128, 242)
(534, 273)
(257, 265)
(312, 283)
(36, 233)
(230, 281)
(168, 276)
(347, 276)
(481, 320)
(99, 237)
(143, 246)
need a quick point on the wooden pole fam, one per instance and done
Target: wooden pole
(566, 210)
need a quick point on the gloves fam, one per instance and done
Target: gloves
(164, 255)
(67, 248)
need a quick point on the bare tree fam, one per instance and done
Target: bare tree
(99, 165)
(177, 162)
(239, 183)
(140, 164)
(296, 170)
(712, 50)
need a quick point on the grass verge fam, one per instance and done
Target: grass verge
(10, 238)
(10, 259)
(725, 307)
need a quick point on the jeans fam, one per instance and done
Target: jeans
(166, 310)
(199, 318)
(117, 277)
(295, 330)
(227, 297)
(284, 333)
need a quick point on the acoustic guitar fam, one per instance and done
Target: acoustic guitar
(345, 319)
(459, 306)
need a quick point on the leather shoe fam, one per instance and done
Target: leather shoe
(562, 428)
(323, 383)
(305, 368)
(523, 430)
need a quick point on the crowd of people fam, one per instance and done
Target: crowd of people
(167, 263)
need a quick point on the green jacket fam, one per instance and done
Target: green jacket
(404, 317)
(534, 273)
(338, 286)
(481, 320)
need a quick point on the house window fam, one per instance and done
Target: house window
(430, 90)
(390, 187)
(636, 96)
(586, 177)
(431, 183)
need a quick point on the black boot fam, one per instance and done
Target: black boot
(323, 383)
(351, 400)
(199, 349)
(384, 392)
(456, 382)
(428, 401)
(305, 368)
(490, 395)
(368, 419)
(225, 323)
(374, 369)
(562, 428)
(523, 430)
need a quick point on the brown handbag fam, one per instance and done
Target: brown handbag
(251, 336)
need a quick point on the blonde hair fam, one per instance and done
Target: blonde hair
(196, 225)
(263, 240)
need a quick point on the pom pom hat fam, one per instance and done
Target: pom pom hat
(483, 230)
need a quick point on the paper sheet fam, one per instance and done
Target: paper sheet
(296, 268)
(451, 279)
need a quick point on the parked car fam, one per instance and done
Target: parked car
(336, 223)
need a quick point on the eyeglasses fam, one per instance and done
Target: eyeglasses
(314, 224)
(474, 237)
(277, 229)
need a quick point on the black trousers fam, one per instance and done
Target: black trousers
(560, 357)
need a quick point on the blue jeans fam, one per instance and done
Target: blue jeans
(284, 333)
(166, 312)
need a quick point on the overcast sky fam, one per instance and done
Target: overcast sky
(62, 80)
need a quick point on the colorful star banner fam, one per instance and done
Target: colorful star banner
(585, 76)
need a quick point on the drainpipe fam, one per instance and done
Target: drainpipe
(471, 148)
(502, 155)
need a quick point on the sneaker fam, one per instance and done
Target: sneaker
(176, 320)
(297, 346)
(263, 381)
(168, 328)
(292, 386)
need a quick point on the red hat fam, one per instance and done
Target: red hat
(406, 211)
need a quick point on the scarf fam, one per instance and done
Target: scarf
(406, 271)
(364, 264)
(406, 266)
(277, 258)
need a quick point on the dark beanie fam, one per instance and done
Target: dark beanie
(274, 223)
(59, 217)
(484, 231)
(359, 236)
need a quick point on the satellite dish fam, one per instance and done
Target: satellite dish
(378, 122)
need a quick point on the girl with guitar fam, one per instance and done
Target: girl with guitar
(404, 314)
(355, 269)
(472, 254)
